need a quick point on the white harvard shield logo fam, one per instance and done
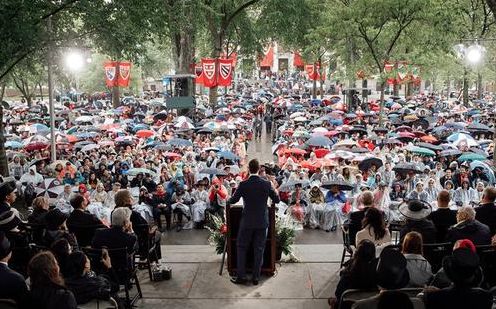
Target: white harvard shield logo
(209, 70)
(110, 72)
(225, 70)
(124, 71)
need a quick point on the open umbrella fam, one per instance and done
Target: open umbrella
(486, 170)
(420, 150)
(450, 152)
(228, 155)
(36, 146)
(213, 171)
(470, 156)
(367, 163)
(180, 142)
(319, 141)
(290, 185)
(136, 171)
(405, 167)
(38, 128)
(296, 151)
(145, 133)
(13, 145)
(342, 185)
(50, 188)
(430, 146)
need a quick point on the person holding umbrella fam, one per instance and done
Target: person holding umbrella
(335, 199)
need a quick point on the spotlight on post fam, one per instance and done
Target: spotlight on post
(74, 61)
(474, 53)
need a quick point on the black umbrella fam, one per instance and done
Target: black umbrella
(380, 130)
(367, 163)
(213, 171)
(430, 146)
(180, 142)
(450, 152)
(358, 130)
(407, 167)
(290, 185)
(342, 185)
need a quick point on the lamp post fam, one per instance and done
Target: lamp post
(74, 62)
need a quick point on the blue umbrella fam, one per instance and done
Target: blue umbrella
(485, 169)
(13, 145)
(319, 141)
(180, 142)
(140, 126)
(228, 155)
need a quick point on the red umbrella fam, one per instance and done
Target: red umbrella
(429, 139)
(36, 146)
(321, 152)
(145, 133)
(331, 133)
(406, 134)
(296, 151)
(172, 155)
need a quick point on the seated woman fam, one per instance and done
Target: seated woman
(359, 272)
(180, 204)
(418, 267)
(40, 209)
(99, 195)
(57, 229)
(374, 228)
(298, 204)
(317, 204)
(85, 284)
(200, 201)
(465, 195)
(61, 249)
(48, 290)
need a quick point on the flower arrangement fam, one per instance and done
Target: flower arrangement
(285, 235)
(218, 234)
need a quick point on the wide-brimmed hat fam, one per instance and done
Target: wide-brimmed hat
(415, 209)
(462, 267)
(391, 270)
(9, 221)
(54, 218)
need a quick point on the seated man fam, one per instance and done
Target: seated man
(356, 217)
(12, 284)
(468, 227)
(486, 212)
(81, 222)
(416, 213)
(444, 217)
(462, 268)
(120, 235)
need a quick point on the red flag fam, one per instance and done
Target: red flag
(124, 74)
(199, 75)
(110, 73)
(312, 72)
(224, 78)
(209, 67)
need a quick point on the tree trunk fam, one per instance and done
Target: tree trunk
(448, 88)
(4, 166)
(218, 39)
(396, 90)
(465, 86)
(479, 86)
(41, 91)
(365, 94)
(116, 93)
(314, 84)
(381, 105)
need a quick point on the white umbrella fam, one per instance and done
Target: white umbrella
(90, 147)
(84, 119)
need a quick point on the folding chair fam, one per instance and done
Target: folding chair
(351, 296)
(147, 249)
(123, 267)
(347, 248)
(434, 254)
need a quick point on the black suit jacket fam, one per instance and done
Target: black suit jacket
(83, 218)
(13, 286)
(486, 213)
(115, 238)
(454, 298)
(355, 223)
(4, 207)
(443, 219)
(255, 192)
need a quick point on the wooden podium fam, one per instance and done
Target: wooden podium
(233, 218)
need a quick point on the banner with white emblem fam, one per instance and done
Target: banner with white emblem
(209, 72)
(225, 72)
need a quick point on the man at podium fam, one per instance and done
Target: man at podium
(255, 192)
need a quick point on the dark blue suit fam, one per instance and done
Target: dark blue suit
(13, 286)
(255, 192)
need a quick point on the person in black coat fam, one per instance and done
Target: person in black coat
(7, 195)
(416, 213)
(12, 284)
(356, 217)
(486, 212)
(120, 235)
(462, 268)
(469, 228)
(81, 222)
(47, 286)
(254, 221)
(40, 209)
(444, 217)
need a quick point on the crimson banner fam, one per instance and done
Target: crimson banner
(312, 71)
(124, 74)
(209, 69)
(199, 75)
(225, 72)
(110, 73)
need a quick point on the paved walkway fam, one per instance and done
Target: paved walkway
(196, 283)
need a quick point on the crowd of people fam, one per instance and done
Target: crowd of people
(422, 166)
